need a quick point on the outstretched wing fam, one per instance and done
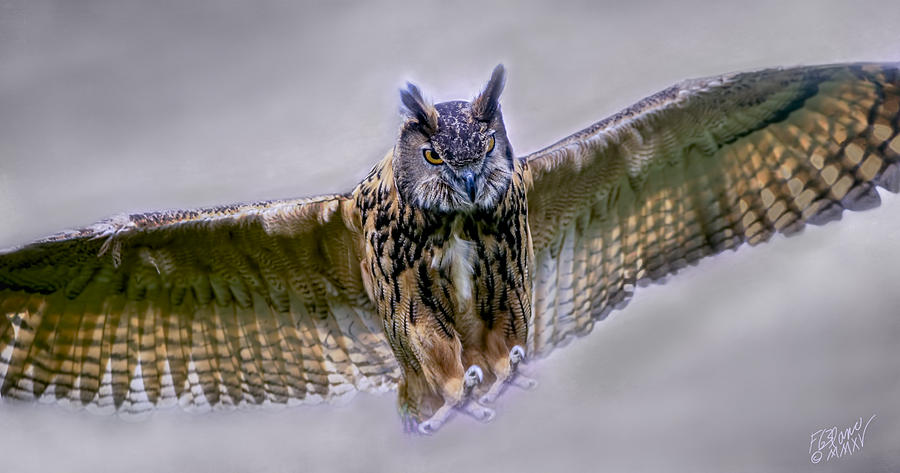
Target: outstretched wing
(699, 168)
(249, 303)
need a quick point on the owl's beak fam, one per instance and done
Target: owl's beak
(469, 178)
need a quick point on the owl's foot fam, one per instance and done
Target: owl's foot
(473, 377)
(477, 411)
(433, 423)
(440, 417)
(516, 356)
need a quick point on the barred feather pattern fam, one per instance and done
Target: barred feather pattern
(246, 304)
(699, 168)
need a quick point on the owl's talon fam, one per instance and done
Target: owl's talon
(474, 376)
(477, 411)
(516, 355)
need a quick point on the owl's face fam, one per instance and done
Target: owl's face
(454, 156)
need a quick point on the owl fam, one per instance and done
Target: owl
(452, 263)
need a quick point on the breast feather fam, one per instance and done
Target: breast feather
(457, 255)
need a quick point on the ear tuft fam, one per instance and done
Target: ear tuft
(417, 108)
(487, 103)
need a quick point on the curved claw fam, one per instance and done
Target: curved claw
(516, 355)
(474, 376)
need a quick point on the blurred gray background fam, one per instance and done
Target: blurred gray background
(109, 107)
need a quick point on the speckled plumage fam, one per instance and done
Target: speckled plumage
(425, 269)
(453, 290)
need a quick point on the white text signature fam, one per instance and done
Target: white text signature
(828, 443)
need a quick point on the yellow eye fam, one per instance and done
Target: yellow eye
(490, 144)
(431, 156)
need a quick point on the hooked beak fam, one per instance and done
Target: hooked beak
(469, 178)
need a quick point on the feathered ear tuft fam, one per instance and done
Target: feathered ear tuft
(417, 108)
(488, 102)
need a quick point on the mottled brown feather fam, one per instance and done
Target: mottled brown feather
(246, 303)
(698, 168)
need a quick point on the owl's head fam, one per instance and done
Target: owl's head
(454, 156)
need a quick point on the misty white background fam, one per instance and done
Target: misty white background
(109, 107)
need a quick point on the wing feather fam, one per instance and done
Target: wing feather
(223, 306)
(699, 168)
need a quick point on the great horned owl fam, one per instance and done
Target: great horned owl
(451, 262)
